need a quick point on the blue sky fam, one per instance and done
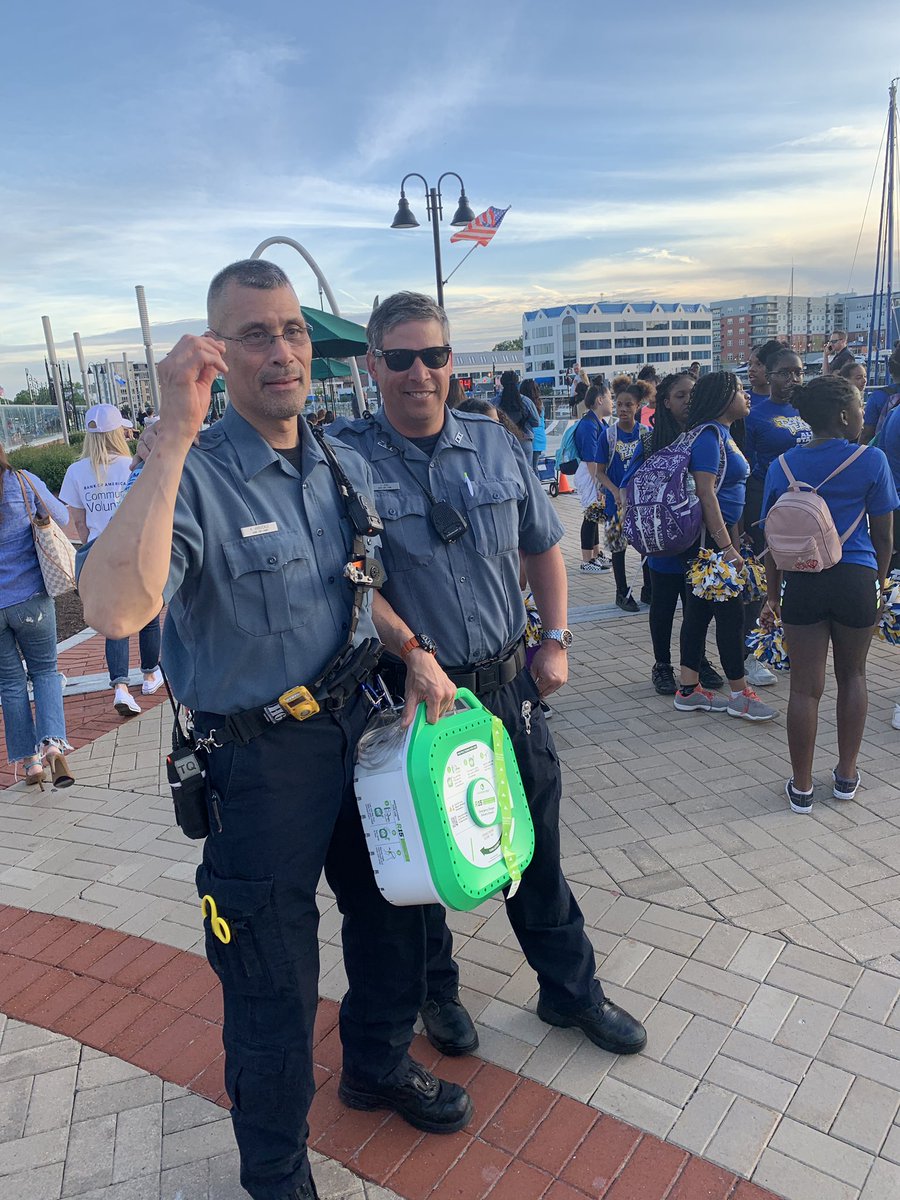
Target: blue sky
(673, 151)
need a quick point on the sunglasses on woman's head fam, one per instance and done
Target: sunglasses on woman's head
(401, 360)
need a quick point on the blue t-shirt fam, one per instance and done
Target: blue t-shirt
(771, 430)
(875, 403)
(705, 456)
(866, 483)
(587, 435)
(756, 398)
(628, 447)
(890, 444)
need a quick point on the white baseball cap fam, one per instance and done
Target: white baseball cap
(103, 418)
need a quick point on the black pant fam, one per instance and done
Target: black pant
(590, 534)
(666, 591)
(729, 618)
(544, 914)
(288, 808)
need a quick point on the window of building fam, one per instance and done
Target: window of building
(681, 355)
(657, 324)
(595, 327)
(629, 343)
(597, 360)
(547, 365)
(699, 339)
(657, 341)
(681, 341)
(626, 326)
(680, 324)
(569, 344)
(623, 360)
(701, 324)
(658, 357)
(701, 355)
(596, 343)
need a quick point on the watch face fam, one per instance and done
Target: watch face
(566, 639)
(426, 643)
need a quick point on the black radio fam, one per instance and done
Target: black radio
(187, 780)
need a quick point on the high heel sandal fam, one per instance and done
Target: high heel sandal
(34, 772)
(55, 760)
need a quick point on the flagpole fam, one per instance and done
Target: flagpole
(461, 261)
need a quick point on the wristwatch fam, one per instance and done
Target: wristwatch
(418, 641)
(565, 637)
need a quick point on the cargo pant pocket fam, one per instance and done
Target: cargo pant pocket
(244, 943)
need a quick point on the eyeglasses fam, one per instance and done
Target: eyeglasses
(401, 360)
(796, 372)
(258, 339)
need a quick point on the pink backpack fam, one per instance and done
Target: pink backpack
(800, 533)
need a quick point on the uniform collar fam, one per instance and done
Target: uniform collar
(253, 451)
(453, 436)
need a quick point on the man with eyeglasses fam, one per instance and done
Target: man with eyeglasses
(459, 502)
(246, 537)
(836, 345)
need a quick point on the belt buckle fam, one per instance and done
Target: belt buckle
(488, 677)
(299, 703)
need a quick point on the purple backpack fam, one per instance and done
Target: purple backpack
(662, 509)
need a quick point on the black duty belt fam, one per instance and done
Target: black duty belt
(480, 678)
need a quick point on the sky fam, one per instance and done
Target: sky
(678, 152)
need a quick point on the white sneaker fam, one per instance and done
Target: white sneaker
(124, 703)
(757, 675)
(895, 719)
(152, 683)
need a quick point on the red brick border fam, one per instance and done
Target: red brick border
(160, 1009)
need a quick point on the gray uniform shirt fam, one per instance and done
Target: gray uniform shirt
(257, 601)
(465, 595)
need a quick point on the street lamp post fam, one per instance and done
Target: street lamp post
(405, 219)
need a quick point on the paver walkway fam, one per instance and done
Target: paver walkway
(760, 947)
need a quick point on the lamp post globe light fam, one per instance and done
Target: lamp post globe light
(406, 220)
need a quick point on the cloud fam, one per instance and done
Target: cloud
(838, 136)
(647, 252)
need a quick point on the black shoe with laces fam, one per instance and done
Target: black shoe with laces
(608, 1026)
(710, 679)
(416, 1095)
(449, 1027)
(663, 679)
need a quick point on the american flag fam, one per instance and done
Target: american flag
(483, 228)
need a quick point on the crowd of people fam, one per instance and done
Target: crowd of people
(259, 534)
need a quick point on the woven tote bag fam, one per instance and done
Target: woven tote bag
(55, 553)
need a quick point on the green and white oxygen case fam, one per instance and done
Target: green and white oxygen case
(443, 807)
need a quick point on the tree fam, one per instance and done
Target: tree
(509, 344)
(42, 395)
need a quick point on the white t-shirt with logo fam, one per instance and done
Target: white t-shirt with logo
(80, 489)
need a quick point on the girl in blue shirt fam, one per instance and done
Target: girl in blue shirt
(839, 605)
(719, 402)
(618, 446)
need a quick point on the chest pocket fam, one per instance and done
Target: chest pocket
(492, 510)
(408, 539)
(267, 572)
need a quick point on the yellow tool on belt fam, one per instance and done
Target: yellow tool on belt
(219, 925)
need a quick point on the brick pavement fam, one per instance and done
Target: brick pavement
(759, 946)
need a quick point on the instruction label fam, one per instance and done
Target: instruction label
(387, 842)
(470, 801)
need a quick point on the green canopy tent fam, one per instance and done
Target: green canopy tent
(333, 337)
(329, 368)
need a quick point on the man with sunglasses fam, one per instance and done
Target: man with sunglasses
(836, 345)
(459, 502)
(247, 538)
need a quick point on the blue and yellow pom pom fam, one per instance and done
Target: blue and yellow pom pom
(768, 646)
(712, 578)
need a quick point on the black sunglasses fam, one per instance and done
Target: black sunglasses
(401, 360)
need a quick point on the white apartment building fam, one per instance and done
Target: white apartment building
(615, 338)
(747, 321)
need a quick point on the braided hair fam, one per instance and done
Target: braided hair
(665, 428)
(711, 396)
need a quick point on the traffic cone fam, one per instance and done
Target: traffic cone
(564, 485)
